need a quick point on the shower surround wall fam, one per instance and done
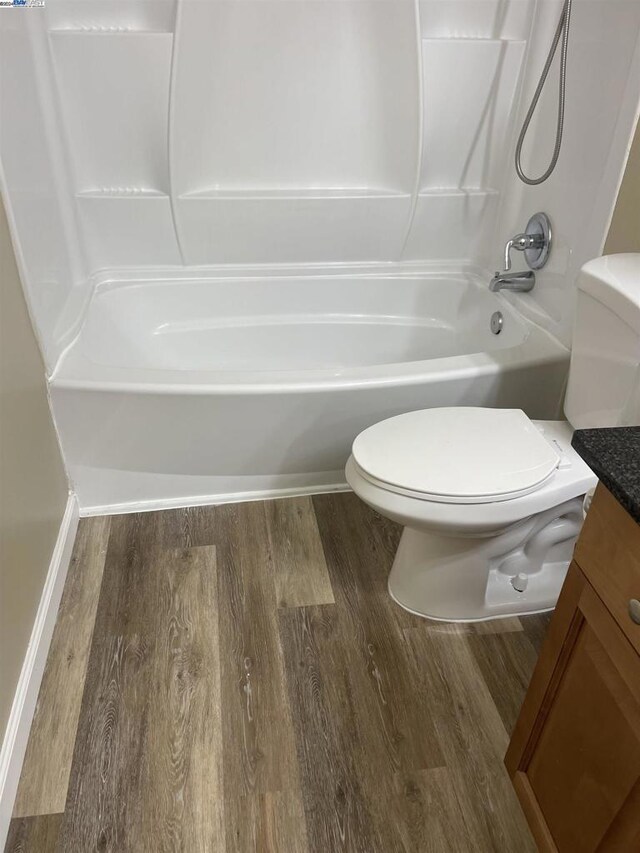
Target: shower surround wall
(198, 132)
(197, 140)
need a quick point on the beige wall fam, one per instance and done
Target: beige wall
(33, 485)
(624, 234)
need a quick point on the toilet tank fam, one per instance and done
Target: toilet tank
(604, 375)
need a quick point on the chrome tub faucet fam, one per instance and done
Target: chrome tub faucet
(518, 282)
(535, 243)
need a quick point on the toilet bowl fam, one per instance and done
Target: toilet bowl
(491, 501)
(468, 554)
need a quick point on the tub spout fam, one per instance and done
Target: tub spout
(519, 282)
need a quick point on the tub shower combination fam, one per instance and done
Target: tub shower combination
(247, 231)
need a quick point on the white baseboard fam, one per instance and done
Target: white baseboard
(210, 500)
(26, 696)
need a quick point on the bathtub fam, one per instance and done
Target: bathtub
(179, 392)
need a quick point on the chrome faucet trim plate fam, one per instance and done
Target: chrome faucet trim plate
(535, 243)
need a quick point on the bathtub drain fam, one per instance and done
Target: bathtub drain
(497, 322)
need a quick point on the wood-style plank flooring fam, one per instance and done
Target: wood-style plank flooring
(236, 678)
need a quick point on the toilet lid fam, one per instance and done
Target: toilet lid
(457, 455)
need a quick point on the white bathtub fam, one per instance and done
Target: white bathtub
(194, 391)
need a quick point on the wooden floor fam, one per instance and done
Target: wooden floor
(237, 678)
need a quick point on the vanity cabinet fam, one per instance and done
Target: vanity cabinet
(574, 757)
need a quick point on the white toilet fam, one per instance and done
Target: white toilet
(491, 501)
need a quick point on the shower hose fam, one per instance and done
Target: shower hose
(562, 31)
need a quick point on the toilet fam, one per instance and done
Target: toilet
(491, 501)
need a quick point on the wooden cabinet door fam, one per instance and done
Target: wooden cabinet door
(575, 754)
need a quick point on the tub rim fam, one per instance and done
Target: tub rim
(76, 371)
(539, 347)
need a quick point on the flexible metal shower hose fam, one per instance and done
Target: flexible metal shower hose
(562, 30)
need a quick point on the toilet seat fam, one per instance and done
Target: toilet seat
(571, 479)
(457, 455)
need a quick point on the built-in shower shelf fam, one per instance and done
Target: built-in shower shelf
(285, 193)
(466, 39)
(122, 192)
(98, 16)
(114, 32)
(107, 31)
(437, 192)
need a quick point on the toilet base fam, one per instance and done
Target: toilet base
(516, 572)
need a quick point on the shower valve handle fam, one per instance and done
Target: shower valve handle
(521, 242)
(535, 242)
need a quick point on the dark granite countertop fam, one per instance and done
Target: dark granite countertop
(613, 455)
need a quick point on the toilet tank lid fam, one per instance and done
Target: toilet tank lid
(614, 281)
(460, 454)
